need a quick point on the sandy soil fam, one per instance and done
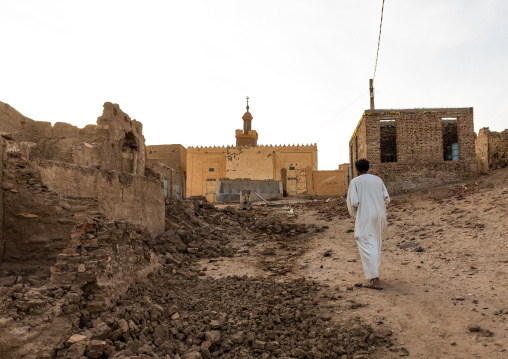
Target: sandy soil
(444, 267)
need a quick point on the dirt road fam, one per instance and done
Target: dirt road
(444, 267)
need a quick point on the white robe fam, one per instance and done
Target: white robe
(366, 200)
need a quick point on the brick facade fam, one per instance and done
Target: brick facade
(421, 137)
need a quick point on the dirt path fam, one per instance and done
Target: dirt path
(444, 295)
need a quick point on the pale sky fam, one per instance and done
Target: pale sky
(183, 68)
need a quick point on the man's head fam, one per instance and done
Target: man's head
(362, 165)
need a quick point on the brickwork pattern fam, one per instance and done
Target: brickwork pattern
(419, 136)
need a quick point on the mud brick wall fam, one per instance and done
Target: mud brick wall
(161, 171)
(358, 143)
(37, 222)
(115, 143)
(420, 158)
(173, 155)
(327, 183)
(491, 149)
(104, 258)
(120, 196)
(402, 178)
(2, 159)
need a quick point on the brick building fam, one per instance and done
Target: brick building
(417, 148)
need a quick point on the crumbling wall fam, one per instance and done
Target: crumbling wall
(115, 143)
(101, 260)
(491, 150)
(173, 181)
(12, 121)
(256, 163)
(37, 222)
(120, 196)
(2, 158)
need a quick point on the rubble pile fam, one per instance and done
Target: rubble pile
(235, 317)
(328, 209)
(117, 293)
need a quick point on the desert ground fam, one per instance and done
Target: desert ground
(285, 281)
(444, 267)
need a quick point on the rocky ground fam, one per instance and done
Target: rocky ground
(444, 267)
(285, 281)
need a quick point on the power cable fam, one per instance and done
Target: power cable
(379, 39)
(345, 108)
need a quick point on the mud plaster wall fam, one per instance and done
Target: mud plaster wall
(120, 196)
(162, 171)
(37, 222)
(199, 163)
(173, 155)
(115, 143)
(328, 183)
(2, 159)
(250, 162)
(491, 150)
(256, 163)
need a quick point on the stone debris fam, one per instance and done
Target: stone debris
(163, 313)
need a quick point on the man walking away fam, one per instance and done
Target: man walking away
(366, 200)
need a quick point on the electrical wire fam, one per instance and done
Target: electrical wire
(345, 108)
(379, 39)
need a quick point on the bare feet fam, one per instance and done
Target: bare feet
(374, 283)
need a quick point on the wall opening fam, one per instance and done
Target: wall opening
(165, 187)
(129, 145)
(388, 141)
(450, 139)
(130, 142)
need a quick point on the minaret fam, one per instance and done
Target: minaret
(247, 137)
(247, 120)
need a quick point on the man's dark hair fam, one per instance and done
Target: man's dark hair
(362, 165)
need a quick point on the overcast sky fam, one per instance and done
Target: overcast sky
(183, 68)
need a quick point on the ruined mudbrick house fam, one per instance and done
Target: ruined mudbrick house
(219, 173)
(78, 217)
(416, 149)
(171, 162)
(59, 181)
(491, 150)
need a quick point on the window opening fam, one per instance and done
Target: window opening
(165, 187)
(211, 170)
(388, 141)
(450, 139)
(291, 168)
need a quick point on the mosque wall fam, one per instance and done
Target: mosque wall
(206, 165)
